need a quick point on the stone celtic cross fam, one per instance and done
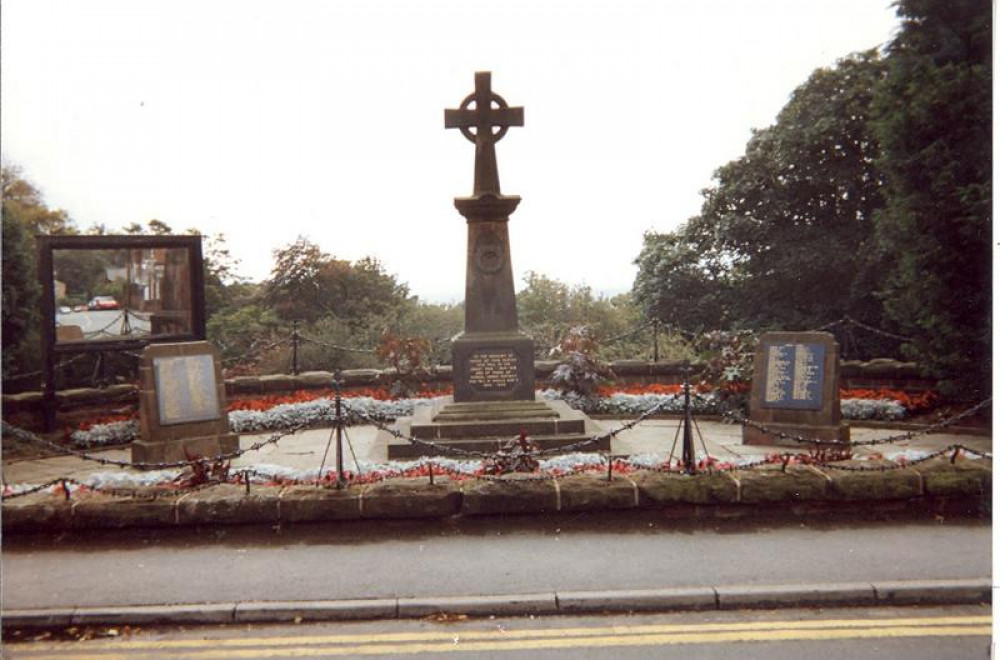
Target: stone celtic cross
(484, 117)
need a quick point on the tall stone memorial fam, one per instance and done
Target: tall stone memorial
(492, 360)
(795, 390)
(182, 404)
(493, 367)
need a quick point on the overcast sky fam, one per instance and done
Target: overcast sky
(269, 120)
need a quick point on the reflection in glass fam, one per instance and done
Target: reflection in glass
(107, 295)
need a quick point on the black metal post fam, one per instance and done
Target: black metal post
(295, 348)
(102, 374)
(338, 384)
(687, 451)
(656, 340)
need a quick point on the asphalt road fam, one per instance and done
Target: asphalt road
(103, 324)
(464, 557)
(831, 634)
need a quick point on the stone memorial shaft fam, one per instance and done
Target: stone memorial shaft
(492, 359)
(493, 363)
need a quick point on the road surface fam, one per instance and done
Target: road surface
(831, 634)
(487, 556)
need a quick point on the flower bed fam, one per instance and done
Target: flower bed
(365, 472)
(316, 408)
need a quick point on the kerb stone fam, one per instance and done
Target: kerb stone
(312, 504)
(797, 483)
(411, 498)
(510, 495)
(229, 504)
(662, 488)
(592, 492)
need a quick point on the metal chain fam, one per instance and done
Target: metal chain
(35, 489)
(39, 372)
(955, 449)
(255, 350)
(334, 346)
(27, 436)
(575, 446)
(94, 333)
(740, 419)
(864, 326)
(642, 326)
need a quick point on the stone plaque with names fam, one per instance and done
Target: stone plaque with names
(182, 404)
(186, 389)
(796, 391)
(793, 376)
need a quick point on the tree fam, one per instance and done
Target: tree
(548, 309)
(295, 288)
(24, 200)
(24, 215)
(21, 292)
(934, 120)
(682, 282)
(785, 238)
(308, 284)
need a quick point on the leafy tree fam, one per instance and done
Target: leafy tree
(308, 284)
(785, 238)
(24, 200)
(434, 322)
(21, 293)
(295, 289)
(548, 309)
(154, 226)
(934, 122)
(24, 215)
(682, 282)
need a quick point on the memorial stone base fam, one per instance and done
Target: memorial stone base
(493, 366)
(182, 405)
(795, 391)
(182, 449)
(826, 434)
(488, 426)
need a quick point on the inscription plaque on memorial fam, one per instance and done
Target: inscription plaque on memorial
(182, 404)
(796, 391)
(186, 390)
(793, 376)
(493, 370)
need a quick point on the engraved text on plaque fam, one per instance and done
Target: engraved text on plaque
(494, 370)
(186, 390)
(793, 376)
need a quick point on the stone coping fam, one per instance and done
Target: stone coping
(963, 487)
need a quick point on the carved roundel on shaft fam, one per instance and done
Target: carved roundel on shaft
(489, 253)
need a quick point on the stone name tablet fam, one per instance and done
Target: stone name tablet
(186, 390)
(793, 376)
(796, 392)
(182, 405)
